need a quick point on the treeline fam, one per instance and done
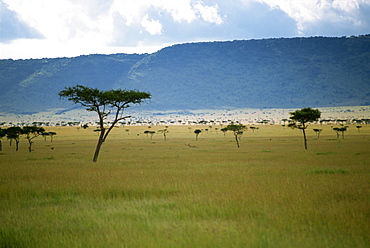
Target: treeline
(29, 132)
(148, 122)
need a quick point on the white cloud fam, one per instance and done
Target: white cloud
(313, 12)
(180, 10)
(153, 27)
(208, 13)
(62, 20)
(101, 26)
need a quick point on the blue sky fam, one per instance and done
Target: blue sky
(66, 28)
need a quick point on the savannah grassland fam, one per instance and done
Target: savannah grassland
(155, 193)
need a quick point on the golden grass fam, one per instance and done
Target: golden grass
(156, 193)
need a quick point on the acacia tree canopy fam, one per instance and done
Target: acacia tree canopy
(104, 103)
(32, 132)
(237, 129)
(301, 118)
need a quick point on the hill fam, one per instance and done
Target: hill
(268, 73)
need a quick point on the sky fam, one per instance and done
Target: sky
(68, 28)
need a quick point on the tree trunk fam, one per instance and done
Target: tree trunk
(1, 146)
(30, 146)
(304, 138)
(98, 146)
(237, 141)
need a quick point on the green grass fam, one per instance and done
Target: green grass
(268, 193)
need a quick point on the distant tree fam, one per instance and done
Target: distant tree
(301, 118)
(358, 128)
(14, 133)
(254, 128)
(45, 135)
(32, 132)
(342, 121)
(197, 132)
(164, 131)
(340, 129)
(317, 131)
(104, 103)
(237, 130)
(336, 129)
(52, 134)
(151, 134)
(224, 130)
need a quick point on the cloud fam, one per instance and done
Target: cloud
(153, 27)
(12, 28)
(326, 17)
(96, 26)
(208, 13)
(162, 21)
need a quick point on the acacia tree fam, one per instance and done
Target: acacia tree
(197, 132)
(317, 131)
(51, 134)
(340, 129)
(237, 130)
(32, 132)
(224, 130)
(104, 103)
(301, 118)
(358, 128)
(14, 133)
(164, 131)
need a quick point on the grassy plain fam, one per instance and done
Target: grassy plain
(155, 193)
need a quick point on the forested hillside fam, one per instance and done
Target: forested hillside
(268, 73)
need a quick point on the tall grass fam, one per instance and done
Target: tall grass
(156, 193)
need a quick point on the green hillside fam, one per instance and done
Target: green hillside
(268, 73)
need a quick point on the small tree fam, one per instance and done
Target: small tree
(52, 134)
(224, 130)
(254, 128)
(45, 135)
(197, 132)
(340, 129)
(237, 131)
(151, 134)
(14, 133)
(358, 128)
(317, 131)
(164, 131)
(104, 103)
(301, 118)
(32, 132)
